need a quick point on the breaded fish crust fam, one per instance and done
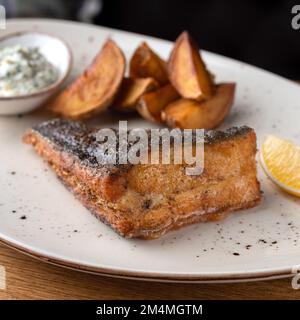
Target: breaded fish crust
(147, 200)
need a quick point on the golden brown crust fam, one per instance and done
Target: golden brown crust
(130, 92)
(152, 103)
(187, 71)
(146, 201)
(146, 63)
(94, 91)
(208, 114)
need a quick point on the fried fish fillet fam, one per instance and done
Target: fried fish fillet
(147, 200)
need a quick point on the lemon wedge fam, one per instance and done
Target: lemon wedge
(281, 161)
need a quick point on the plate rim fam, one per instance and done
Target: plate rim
(230, 277)
(152, 276)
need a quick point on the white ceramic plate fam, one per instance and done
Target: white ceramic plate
(259, 243)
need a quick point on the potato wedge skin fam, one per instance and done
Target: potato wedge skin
(152, 103)
(146, 63)
(96, 88)
(191, 114)
(187, 71)
(130, 92)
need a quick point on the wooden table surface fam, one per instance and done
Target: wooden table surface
(28, 278)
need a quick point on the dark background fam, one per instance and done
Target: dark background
(257, 32)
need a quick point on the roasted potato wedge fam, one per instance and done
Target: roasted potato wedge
(130, 92)
(152, 103)
(187, 71)
(146, 63)
(191, 114)
(96, 88)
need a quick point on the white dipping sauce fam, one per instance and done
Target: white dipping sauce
(24, 70)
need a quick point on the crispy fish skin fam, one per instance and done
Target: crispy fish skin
(146, 200)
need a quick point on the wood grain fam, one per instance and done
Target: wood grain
(28, 278)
